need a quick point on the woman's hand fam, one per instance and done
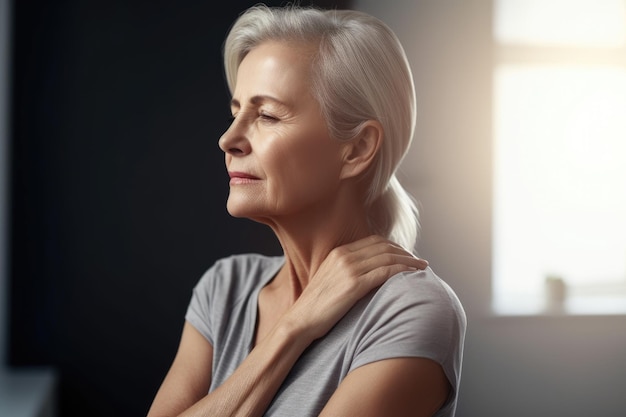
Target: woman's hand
(347, 274)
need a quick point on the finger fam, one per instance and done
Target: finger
(365, 242)
(378, 245)
(380, 275)
(375, 251)
(390, 259)
(372, 245)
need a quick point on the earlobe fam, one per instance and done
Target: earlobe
(361, 151)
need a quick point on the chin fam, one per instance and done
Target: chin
(236, 212)
(254, 212)
(241, 209)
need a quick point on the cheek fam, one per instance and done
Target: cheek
(312, 165)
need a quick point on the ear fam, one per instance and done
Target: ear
(359, 152)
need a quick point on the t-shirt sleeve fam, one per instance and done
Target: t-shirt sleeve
(225, 287)
(198, 312)
(413, 314)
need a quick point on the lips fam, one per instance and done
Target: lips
(241, 178)
(243, 175)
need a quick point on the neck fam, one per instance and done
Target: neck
(308, 239)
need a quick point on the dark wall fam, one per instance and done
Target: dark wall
(118, 189)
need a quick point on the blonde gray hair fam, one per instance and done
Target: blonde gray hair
(360, 72)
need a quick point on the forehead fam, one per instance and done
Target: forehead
(301, 52)
(275, 68)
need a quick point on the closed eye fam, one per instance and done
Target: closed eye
(268, 117)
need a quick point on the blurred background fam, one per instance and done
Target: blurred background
(112, 192)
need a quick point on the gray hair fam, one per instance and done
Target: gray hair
(360, 73)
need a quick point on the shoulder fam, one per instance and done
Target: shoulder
(244, 263)
(414, 314)
(423, 289)
(226, 284)
(418, 309)
(239, 273)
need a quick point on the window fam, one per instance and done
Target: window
(559, 231)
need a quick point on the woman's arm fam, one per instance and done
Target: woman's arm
(401, 387)
(247, 392)
(189, 377)
(250, 389)
(347, 274)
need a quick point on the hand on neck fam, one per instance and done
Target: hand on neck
(306, 242)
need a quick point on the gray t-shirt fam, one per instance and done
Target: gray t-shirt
(414, 314)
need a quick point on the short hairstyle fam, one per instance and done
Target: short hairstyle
(359, 73)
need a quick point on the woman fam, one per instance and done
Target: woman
(347, 322)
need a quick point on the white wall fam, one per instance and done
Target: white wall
(513, 366)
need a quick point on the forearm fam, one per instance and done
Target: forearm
(250, 389)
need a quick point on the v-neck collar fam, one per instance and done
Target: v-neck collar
(253, 302)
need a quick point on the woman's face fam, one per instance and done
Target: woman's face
(279, 155)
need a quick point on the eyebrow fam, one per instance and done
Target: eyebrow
(258, 99)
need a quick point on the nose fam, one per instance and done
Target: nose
(234, 141)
